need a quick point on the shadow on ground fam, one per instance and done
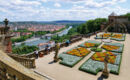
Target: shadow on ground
(100, 78)
(51, 62)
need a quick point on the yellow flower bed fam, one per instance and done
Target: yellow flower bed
(100, 56)
(89, 45)
(106, 35)
(81, 52)
(110, 47)
(119, 36)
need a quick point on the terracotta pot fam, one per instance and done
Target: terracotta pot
(41, 54)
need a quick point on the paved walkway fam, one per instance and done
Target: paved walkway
(60, 72)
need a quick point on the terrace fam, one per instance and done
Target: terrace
(72, 68)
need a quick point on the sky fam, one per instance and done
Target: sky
(51, 10)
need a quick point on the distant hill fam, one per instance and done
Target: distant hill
(69, 21)
(47, 22)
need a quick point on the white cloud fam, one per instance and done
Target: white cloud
(57, 5)
(44, 0)
(79, 10)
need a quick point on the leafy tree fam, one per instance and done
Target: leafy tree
(24, 49)
(128, 15)
(91, 26)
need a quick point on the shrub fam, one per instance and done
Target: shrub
(96, 49)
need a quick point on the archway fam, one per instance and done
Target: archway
(117, 27)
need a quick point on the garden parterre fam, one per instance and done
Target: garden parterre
(77, 52)
(95, 63)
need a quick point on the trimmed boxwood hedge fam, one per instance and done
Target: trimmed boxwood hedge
(96, 49)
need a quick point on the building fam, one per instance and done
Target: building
(119, 23)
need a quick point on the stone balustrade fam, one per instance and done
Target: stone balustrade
(12, 70)
(27, 62)
(4, 30)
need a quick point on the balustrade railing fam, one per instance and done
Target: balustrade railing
(12, 70)
(27, 62)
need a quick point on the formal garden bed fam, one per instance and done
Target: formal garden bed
(95, 64)
(73, 56)
(90, 43)
(118, 37)
(103, 36)
(114, 47)
(112, 36)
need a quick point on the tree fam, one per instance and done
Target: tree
(91, 26)
(128, 15)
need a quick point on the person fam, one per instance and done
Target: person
(46, 49)
(57, 47)
(96, 35)
(102, 36)
(89, 35)
(36, 53)
(67, 43)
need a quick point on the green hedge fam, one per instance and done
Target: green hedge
(96, 49)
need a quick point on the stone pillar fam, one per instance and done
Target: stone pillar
(8, 45)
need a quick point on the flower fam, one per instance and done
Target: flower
(81, 52)
(100, 56)
(119, 36)
(89, 44)
(106, 35)
(110, 47)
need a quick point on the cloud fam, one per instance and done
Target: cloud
(57, 5)
(35, 10)
(44, 0)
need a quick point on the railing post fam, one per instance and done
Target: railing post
(4, 74)
(33, 63)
